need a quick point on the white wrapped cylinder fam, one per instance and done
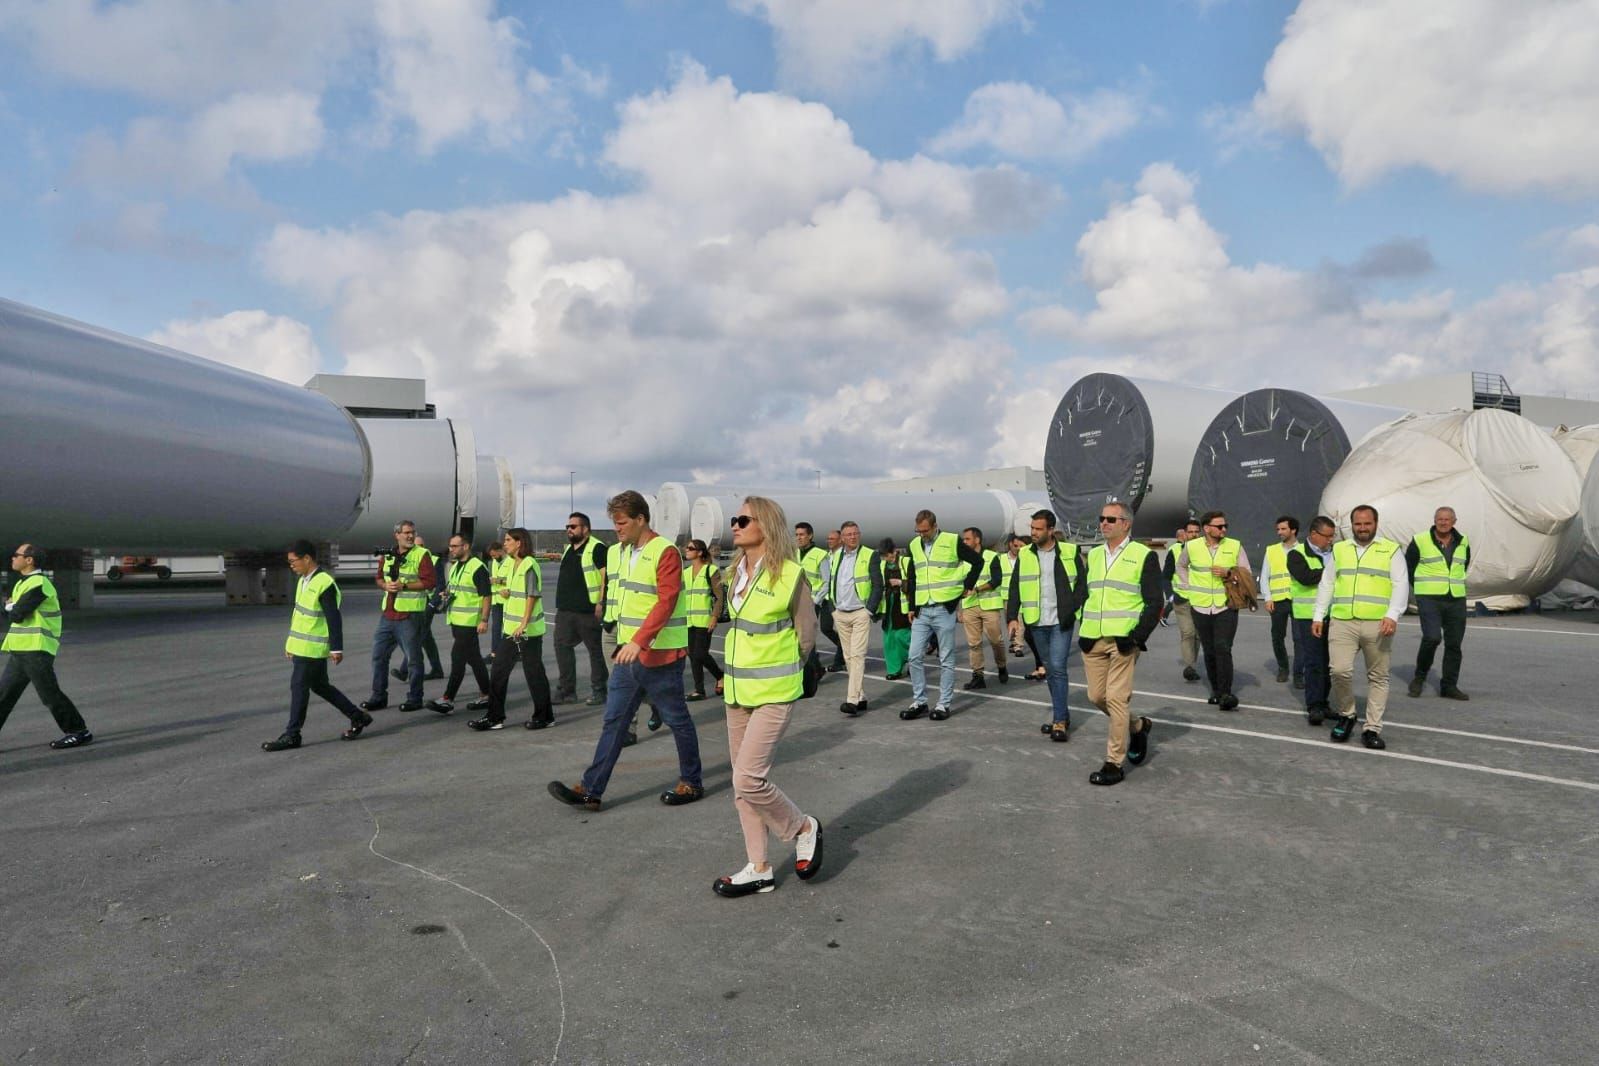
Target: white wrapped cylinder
(1582, 445)
(1514, 492)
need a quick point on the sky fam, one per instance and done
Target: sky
(744, 240)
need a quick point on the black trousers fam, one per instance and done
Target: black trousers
(465, 652)
(1282, 620)
(37, 668)
(530, 652)
(311, 676)
(1443, 621)
(571, 629)
(1216, 633)
(699, 657)
(824, 622)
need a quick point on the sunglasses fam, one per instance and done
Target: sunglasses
(740, 521)
(1218, 525)
(1111, 518)
(573, 526)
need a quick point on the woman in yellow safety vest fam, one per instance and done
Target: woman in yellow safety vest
(703, 587)
(771, 631)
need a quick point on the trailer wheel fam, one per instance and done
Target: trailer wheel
(113, 573)
(163, 573)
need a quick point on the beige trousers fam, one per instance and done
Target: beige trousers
(1187, 635)
(978, 622)
(752, 736)
(854, 629)
(1110, 688)
(1346, 638)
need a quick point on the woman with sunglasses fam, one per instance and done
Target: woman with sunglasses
(703, 587)
(771, 633)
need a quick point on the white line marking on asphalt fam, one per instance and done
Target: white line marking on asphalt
(560, 986)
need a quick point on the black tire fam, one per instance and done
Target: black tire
(113, 573)
(163, 573)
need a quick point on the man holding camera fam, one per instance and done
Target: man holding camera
(406, 577)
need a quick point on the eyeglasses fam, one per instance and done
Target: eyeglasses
(740, 521)
(1218, 525)
(1111, 518)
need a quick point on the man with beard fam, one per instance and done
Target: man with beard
(579, 603)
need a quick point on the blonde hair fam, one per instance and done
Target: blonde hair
(776, 535)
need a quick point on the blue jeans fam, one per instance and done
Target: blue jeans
(629, 686)
(1055, 647)
(405, 634)
(1313, 660)
(928, 621)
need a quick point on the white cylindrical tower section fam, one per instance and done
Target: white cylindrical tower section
(1118, 438)
(113, 442)
(414, 475)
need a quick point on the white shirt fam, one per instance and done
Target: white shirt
(1048, 609)
(1398, 573)
(743, 578)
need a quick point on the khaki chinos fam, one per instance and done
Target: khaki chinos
(854, 630)
(1110, 688)
(1348, 636)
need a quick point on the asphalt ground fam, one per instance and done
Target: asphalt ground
(1253, 893)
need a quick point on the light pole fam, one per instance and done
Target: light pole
(523, 523)
(818, 481)
(571, 490)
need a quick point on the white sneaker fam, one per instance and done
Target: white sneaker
(808, 850)
(746, 882)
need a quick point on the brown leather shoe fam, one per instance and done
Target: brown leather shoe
(682, 793)
(574, 796)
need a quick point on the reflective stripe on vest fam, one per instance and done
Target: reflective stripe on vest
(1277, 565)
(1031, 575)
(762, 653)
(517, 603)
(411, 570)
(811, 559)
(1363, 585)
(1434, 575)
(697, 592)
(466, 603)
(1304, 596)
(1115, 601)
(592, 573)
(500, 578)
(938, 571)
(983, 601)
(41, 630)
(639, 593)
(1007, 570)
(865, 559)
(1205, 589)
(308, 626)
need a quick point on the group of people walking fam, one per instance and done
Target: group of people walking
(643, 610)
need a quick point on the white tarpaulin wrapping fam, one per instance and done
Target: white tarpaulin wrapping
(1582, 444)
(1514, 490)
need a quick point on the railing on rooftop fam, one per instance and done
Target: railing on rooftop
(1492, 390)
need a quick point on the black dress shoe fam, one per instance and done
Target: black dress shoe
(1282, 674)
(1229, 702)
(1004, 676)
(849, 708)
(479, 704)
(1214, 699)
(836, 668)
(654, 722)
(441, 706)
(1138, 743)
(283, 743)
(411, 705)
(398, 674)
(1046, 727)
(563, 697)
(894, 677)
(1373, 740)
(976, 682)
(1109, 774)
(1453, 693)
(1190, 674)
(915, 710)
(628, 739)
(1299, 683)
(692, 697)
(1417, 686)
(861, 706)
(356, 725)
(544, 723)
(374, 704)
(1342, 727)
(574, 796)
(483, 725)
(1059, 732)
(434, 674)
(1315, 715)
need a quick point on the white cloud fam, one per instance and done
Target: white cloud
(1168, 301)
(1024, 121)
(203, 151)
(741, 323)
(262, 343)
(450, 69)
(1499, 96)
(830, 44)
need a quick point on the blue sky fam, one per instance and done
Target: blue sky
(903, 227)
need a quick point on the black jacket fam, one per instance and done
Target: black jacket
(1149, 582)
(1071, 590)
